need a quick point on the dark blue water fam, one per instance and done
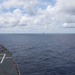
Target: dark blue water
(42, 54)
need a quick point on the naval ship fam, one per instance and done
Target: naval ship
(8, 65)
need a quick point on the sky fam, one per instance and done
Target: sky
(37, 16)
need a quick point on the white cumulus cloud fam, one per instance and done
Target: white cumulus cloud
(26, 14)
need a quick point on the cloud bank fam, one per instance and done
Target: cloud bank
(27, 16)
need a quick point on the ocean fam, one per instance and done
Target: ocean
(42, 54)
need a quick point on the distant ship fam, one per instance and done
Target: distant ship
(7, 64)
(43, 33)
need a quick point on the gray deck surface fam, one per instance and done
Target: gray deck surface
(8, 66)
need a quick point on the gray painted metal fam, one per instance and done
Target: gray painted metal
(7, 64)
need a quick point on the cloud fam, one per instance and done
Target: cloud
(69, 25)
(29, 6)
(67, 6)
(65, 9)
(7, 4)
(10, 19)
(28, 15)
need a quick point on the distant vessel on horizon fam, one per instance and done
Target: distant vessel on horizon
(43, 33)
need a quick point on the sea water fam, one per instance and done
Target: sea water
(42, 54)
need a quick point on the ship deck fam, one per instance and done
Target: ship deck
(7, 63)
